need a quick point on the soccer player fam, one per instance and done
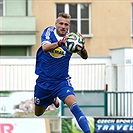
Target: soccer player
(52, 65)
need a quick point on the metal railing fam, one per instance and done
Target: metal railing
(102, 103)
(119, 104)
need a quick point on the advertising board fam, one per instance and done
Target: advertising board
(101, 125)
(23, 125)
(114, 125)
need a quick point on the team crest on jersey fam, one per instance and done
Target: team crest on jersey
(57, 53)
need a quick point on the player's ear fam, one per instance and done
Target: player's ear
(56, 22)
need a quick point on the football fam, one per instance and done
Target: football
(75, 42)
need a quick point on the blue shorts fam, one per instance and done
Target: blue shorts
(45, 92)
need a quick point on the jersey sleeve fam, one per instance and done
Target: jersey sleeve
(46, 35)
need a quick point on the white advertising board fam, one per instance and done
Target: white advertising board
(22, 125)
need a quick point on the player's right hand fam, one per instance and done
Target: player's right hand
(61, 43)
(79, 34)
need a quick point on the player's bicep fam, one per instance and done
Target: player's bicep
(45, 42)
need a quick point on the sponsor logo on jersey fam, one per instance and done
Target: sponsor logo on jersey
(57, 53)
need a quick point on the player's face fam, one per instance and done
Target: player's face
(62, 26)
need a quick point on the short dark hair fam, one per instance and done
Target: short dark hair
(64, 15)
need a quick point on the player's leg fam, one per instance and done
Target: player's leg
(66, 94)
(70, 100)
(39, 110)
(42, 99)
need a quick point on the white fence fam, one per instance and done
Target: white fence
(18, 74)
(88, 76)
(91, 74)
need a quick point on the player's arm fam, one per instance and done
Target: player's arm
(50, 46)
(83, 53)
